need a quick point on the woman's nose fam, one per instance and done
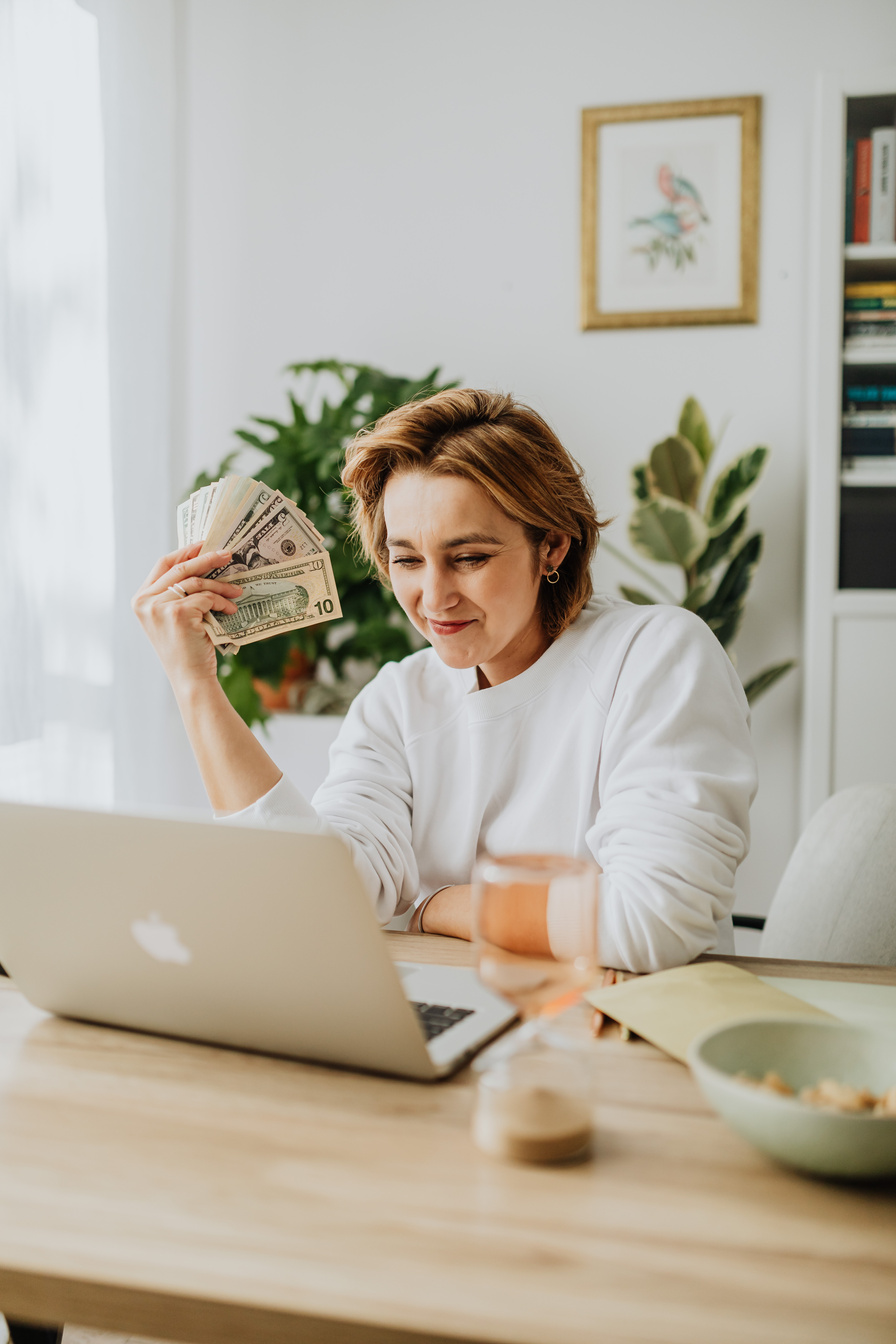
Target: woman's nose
(439, 592)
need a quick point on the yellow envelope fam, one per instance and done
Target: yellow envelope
(671, 1008)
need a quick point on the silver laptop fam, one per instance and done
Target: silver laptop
(263, 940)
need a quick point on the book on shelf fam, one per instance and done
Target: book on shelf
(866, 326)
(861, 201)
(869, 419)
(871, 466)
(880, 318)
(884, 344)
(870, 294)
(870, 328)
(871, 187)
(868, 471)
(875, 356)
(868, 441)
(869, 396)
(882, 222)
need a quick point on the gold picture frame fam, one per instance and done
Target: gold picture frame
(679, 265)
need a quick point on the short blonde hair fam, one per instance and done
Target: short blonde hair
(506, 449)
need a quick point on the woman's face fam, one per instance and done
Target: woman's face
(466, 574)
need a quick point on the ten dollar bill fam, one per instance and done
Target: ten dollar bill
(276, 599)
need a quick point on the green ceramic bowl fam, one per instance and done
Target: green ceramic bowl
(828, 1143)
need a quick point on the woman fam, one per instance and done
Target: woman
(542, 718)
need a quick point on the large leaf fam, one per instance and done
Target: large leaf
(668, 531)
(720, 546)
(724, 611)
(733, 489)
(692, 425)
(675, 470)
(759, 684)
(640, 488)
(635, 595)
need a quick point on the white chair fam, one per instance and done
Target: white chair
(837, 898)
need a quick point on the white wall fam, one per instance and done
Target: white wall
(397, 181)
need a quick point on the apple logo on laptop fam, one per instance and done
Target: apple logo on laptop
(160, 940)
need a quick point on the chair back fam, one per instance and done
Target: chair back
(837, 898)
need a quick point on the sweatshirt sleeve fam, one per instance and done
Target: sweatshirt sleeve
(367, 796)
(365, 799)
(676, 777)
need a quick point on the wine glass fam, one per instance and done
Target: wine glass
(535, 930)
(536, 934)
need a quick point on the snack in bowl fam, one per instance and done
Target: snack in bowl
(828, 1093)
(797, 1069)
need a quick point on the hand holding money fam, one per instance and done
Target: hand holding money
(278, 559)
(171, 605)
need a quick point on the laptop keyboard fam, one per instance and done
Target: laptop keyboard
(436, 1017)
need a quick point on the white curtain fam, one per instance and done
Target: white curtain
(89, 234)
(56, 593)
(140, 46)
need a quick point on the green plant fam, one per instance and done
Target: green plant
(707, 542)
(330, 403)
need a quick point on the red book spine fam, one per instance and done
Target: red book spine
(861, 220)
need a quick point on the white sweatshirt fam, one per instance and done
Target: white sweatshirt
(628, 740)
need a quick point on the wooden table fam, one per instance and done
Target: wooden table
(190, 1193)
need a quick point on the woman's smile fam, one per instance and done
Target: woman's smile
(446, 627)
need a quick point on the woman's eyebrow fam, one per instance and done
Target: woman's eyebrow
(472, 539)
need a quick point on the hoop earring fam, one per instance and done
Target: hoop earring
(552, 576)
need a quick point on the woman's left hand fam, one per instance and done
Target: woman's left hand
(449, 912)
(517, 921)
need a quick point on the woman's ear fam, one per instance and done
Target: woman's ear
(554, 549)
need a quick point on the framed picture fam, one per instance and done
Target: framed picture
(670, 213)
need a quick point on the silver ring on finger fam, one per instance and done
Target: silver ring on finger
(176, 588)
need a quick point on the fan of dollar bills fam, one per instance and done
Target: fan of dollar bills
(279, 560)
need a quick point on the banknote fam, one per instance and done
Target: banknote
(193, 513)
(193, 516)
(237, 512)
(280, 533)
(183, 518)
(275, 599)
(206, 507)
(278, 501)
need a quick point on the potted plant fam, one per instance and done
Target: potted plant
(682, 519)
(320, 669)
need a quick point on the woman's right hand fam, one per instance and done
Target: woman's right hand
(174, 623)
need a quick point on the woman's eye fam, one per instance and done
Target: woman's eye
(413, 561)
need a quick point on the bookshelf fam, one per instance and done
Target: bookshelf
(849, 707)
